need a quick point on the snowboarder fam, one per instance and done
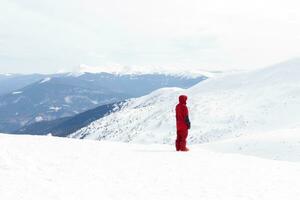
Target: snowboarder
(182, 123)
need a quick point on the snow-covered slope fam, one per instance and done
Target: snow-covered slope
(220, 108)
(47, 168)
(275, 145)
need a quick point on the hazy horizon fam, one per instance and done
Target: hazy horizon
(54, 36)
(121, 69)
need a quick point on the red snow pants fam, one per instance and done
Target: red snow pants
(181, 140)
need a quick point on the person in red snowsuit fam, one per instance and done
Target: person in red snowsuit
(182, 123)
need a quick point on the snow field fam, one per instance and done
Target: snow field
(34, 168)
(276, 145)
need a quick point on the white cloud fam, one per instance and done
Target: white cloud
(46, 36)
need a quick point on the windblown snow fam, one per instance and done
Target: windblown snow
(35, 168)
(220, 108)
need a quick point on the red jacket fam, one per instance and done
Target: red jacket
(182, 114)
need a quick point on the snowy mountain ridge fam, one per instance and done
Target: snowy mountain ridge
(138, 70)
(220, 108)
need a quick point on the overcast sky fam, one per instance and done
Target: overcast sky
(48, 36)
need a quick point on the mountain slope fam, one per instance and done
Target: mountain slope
(13, 82)
(34, 168)
(67, 125)
(57, 97)
(220, 108)
(276, 145)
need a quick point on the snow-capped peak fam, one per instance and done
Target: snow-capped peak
(139, 70)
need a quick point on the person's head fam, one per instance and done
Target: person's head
(182, 99)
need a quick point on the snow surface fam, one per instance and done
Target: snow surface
(220, 108)
(68, 99)
(17, 92)
(39, 119)
(35, 168)
(45, 80)
(55, 108)
(94, 102)
(276, 145)
(18, 99)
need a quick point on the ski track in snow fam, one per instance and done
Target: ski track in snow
(35, 168)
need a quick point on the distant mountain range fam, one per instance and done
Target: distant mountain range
(44, 98)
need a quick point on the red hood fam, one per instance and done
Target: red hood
(182, 99)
